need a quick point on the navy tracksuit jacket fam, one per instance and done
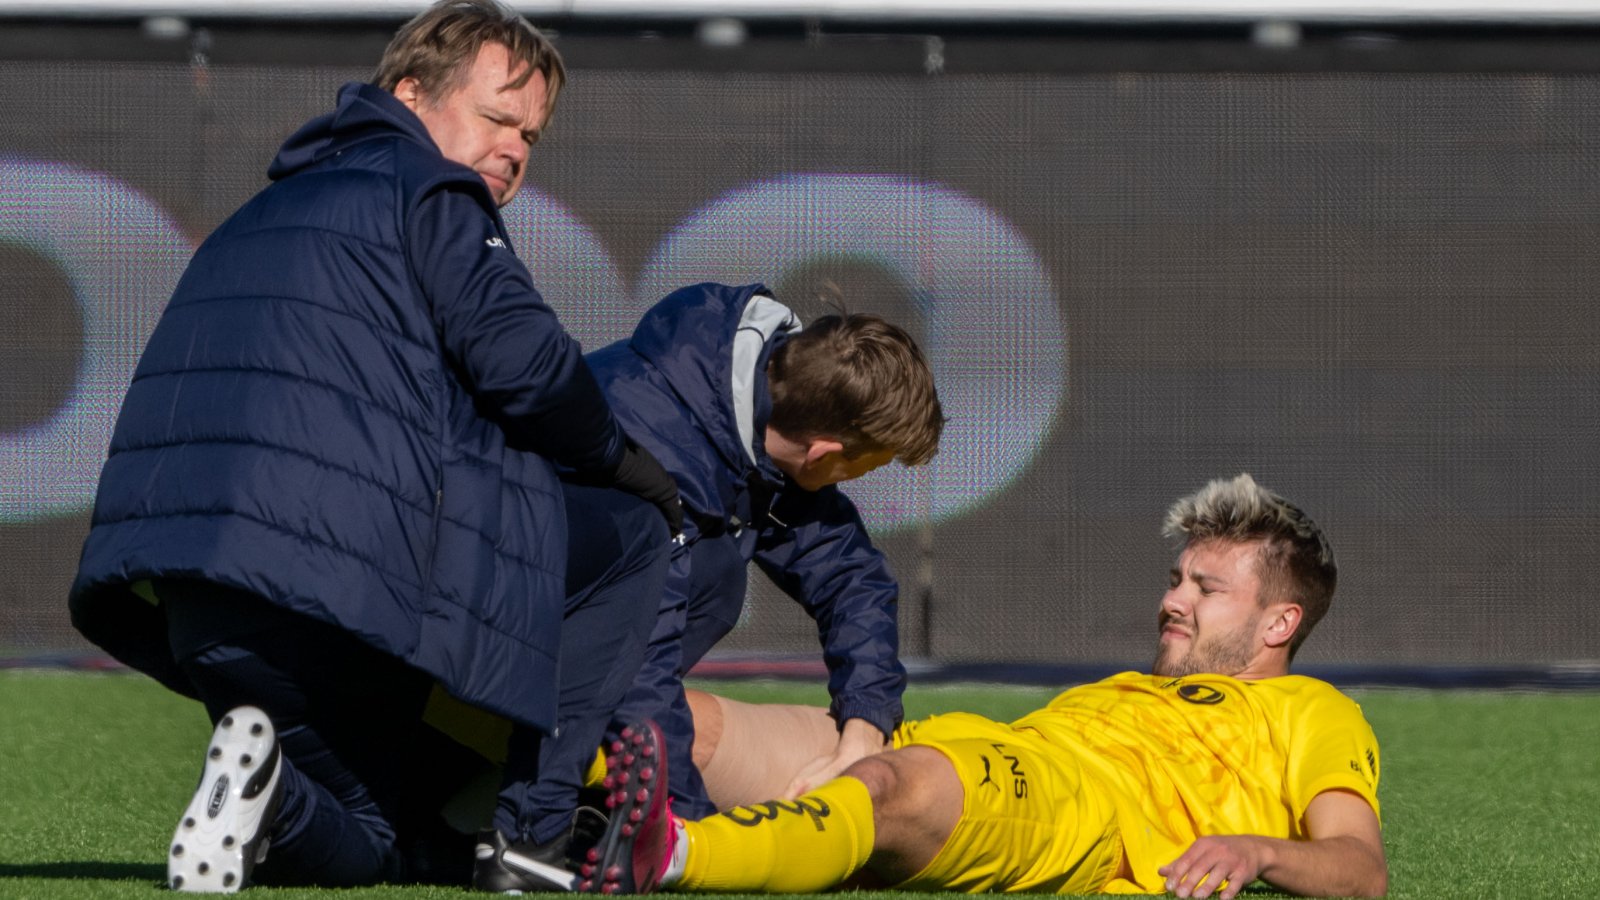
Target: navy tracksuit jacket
(351, 409)
(332, 413)
(690, 386)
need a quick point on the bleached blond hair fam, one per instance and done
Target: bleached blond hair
(1295, 563)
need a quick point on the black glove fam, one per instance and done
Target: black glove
(641, 475)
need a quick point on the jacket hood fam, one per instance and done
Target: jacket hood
(363, 113)
(708, 318)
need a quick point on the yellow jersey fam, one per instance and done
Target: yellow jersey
(1208, 754)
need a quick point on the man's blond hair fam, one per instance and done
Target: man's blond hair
(439, 46)
(1295, 563)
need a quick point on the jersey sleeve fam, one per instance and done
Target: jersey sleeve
(1331, 748)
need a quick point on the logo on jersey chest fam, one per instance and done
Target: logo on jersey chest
(1200, 694)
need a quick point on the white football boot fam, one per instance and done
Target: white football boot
(223, 833)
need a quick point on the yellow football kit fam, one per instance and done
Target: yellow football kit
(1137, 767)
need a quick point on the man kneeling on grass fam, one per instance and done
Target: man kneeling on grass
(1218, 769)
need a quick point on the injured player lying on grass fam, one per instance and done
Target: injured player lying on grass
(1217, 769)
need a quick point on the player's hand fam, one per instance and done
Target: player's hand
(857, 740)
(1220, 864)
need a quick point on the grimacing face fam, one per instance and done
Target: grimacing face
(482, 124)
(1211, 616)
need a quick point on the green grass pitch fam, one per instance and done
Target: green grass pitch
(1484, 794)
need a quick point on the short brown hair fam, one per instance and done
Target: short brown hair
(860, 380)
(1295, 564)
(439, 46)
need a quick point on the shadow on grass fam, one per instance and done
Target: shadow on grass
(111, 871)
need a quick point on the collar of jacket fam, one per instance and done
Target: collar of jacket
(363, 112)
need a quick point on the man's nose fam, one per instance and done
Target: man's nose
(515, 149)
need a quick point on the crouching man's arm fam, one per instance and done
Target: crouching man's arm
(1343, 858)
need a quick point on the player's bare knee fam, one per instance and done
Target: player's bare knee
(916, 802)
(880, 777)
(914, 785)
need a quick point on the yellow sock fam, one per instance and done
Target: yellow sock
(800, 846)
(597, 770)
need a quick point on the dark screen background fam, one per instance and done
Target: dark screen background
(1374, 291)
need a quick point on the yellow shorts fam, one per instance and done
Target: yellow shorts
(1028, 821)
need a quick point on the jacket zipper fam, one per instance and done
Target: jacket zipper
(433, 545)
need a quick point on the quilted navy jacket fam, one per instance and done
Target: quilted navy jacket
(690, 386)
(335, 412)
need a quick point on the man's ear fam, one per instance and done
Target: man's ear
(818, 447)
(409, 92)
(1285, 619)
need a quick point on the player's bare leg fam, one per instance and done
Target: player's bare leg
(749, 752)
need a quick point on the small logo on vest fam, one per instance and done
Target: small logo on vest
(496, 242)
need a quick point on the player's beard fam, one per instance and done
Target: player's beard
(1228, 653)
